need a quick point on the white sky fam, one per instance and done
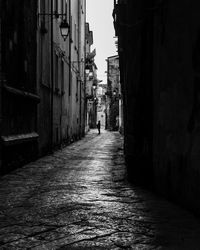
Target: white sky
(99, 16)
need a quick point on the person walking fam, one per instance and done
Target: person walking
(99, 127)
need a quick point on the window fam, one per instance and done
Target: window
(56, 73)
(66, 9)
(62, 8)
(62, 77)
(70, 81)
(42, 5)
(75, 35)
(77, 89)
(56, 6)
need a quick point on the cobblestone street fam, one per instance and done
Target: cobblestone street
(78, 198)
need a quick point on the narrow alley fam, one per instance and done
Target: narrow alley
(78, 198)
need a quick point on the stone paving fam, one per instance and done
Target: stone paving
(78, 198)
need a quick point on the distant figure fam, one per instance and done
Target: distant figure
(99, 127)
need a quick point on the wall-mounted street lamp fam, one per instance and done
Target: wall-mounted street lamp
(64, 25)
(87, 69)
(64, 29)
(117, 95)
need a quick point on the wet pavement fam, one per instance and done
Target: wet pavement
(78, 198)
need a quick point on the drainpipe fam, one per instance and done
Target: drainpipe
(61, 104)
(1, 83)
(84, 74)
(52, 77)
(70, 84)
(79, 67)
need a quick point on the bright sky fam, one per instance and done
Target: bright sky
(99, 16)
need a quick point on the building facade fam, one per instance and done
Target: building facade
(42, 78)
(101, 107)
(18, 96)
(113, 93)
(159, 63)
(45, 75)
(91, 94)
(91, 81)
(61, 75)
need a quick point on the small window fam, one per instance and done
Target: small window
(70, 82)
(62, 77)
(77, 89)
(66, 9)
(62, 7)
(56, 6)
(56, 72)
(42, 5)
(74, 34)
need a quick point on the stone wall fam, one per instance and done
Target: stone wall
(134, 30)
(18, 89)
(177, 101)
(159, 48)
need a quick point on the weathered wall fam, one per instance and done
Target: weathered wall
(77, 122)
(19, 90)
(159, 48)
(61, 111)
(39, 66)
(44, 76)
(177, 101)
(1, 78)
(113, 87)
(134, 29)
